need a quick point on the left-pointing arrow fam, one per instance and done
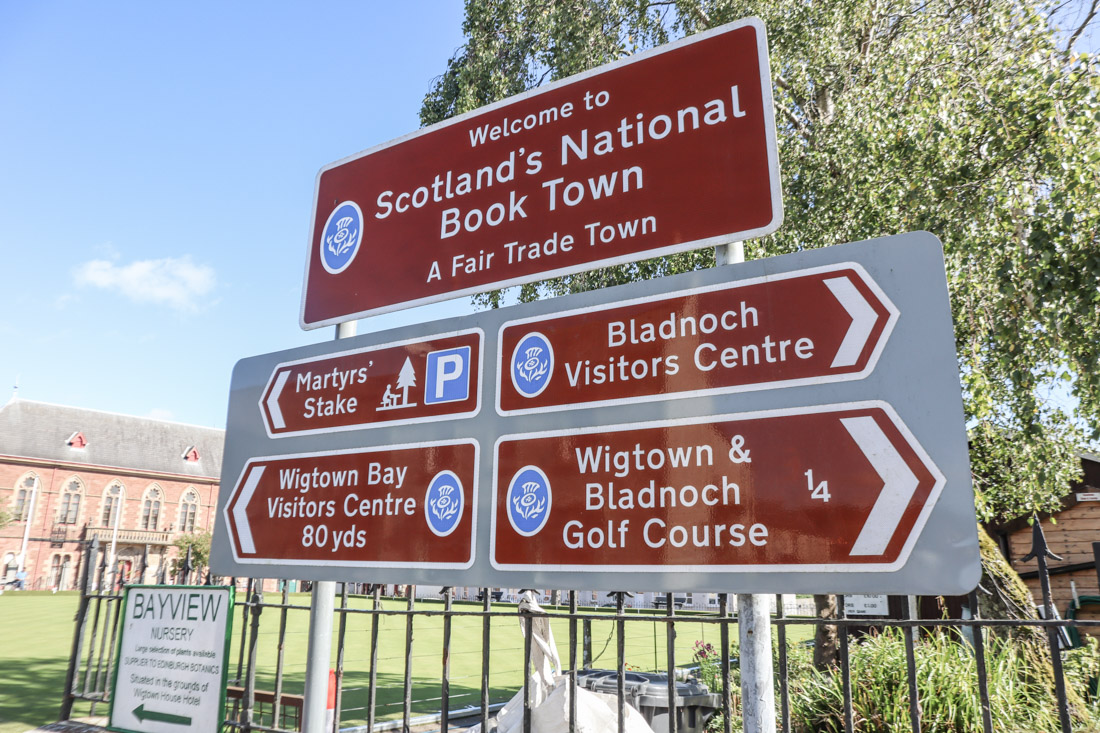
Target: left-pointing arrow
(240, 516)
(273, 408)
(142, 714)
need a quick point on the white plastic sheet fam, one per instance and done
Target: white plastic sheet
(549, 690)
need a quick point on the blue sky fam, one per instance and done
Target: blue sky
(157, 164)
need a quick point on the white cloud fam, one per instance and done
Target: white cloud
(176, 282)
(158, 413)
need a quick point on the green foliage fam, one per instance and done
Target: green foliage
(947, 684)
(1082, 669)
(968, 120)
(199, 542)
(708, 662)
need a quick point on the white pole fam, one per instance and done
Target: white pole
(729, 254)
(114, 541)
(321, 607)
(27, 527)
(757, 684)
(753, 614)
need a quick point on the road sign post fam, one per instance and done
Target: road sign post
(792, 425)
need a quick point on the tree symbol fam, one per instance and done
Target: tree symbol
(406, 378)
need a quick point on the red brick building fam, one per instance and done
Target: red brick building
(68, 475)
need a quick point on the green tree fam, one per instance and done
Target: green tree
(975, 120)
(199, 542)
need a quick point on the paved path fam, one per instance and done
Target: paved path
(73, 726)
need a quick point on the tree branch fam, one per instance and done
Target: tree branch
(785, 85)
(1081, 29)
(793, 119)
(700, 16)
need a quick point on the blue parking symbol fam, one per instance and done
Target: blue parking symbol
(448, 376)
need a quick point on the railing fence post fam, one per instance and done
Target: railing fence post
(1041, 551)
(410, 591)
(341, 637)
(979, 660)
(87, 569)
(911, 667)
(445, 683)
(250, 675)
(845, 666)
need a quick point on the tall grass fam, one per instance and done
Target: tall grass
(947, 685)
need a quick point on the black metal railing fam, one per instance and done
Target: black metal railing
(388, 690)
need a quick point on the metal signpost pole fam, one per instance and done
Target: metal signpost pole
(753, 621)
(321, 607)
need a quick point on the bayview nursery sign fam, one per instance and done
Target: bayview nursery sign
(172, 651)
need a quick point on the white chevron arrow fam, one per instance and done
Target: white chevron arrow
(244, 532)
(863, 320)
(273, 408)
(899, 485)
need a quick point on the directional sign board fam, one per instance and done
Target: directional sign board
(810, 489)
(790, 424)
(172, 653)
(419, 380)
(802, 327)
(400, 506)
(587, 172)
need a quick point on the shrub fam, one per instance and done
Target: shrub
(947, 684)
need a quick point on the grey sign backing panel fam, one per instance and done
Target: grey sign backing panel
(916, 375)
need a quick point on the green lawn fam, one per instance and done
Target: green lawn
(37, 629)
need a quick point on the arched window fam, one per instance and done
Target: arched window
(112, 504)
(189, 510)
(10, 567)
(69, 511)
(21, 505)
(60, 569)
(150, 508)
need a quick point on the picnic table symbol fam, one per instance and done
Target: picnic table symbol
(397, 393)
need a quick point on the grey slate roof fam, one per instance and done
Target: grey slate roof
(40, 430)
